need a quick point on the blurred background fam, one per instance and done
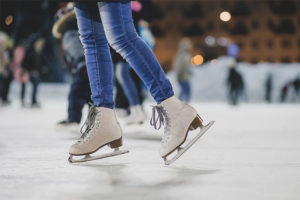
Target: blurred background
(262, 37)
(236, 61)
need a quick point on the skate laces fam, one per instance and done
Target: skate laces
(159, 120)
(89, 123)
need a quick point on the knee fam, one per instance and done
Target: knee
(90, 40)
(122, 41)
(117, 41)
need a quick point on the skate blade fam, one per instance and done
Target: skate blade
(86, 158)
(181, 150)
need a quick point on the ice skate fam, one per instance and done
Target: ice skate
(137, 115)
(178, 119)
(101, 128)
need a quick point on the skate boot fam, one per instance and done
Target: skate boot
(137, 115)
(101, 128)
(178, 119)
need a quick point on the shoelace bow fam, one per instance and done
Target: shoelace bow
(159, 120)
(89, 123)
(156, 122)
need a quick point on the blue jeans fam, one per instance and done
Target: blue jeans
(185, 92)
(101, 24)
(124, 77)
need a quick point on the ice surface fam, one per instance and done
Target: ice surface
(252, 152)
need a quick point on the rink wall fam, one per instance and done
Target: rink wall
(209, 80)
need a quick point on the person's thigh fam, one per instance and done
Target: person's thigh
(117, 20)
(97, 54)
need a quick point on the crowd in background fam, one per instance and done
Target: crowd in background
(30, 52)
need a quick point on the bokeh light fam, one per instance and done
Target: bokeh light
(225, 16)
(197, 60)
(210, 40)
(8, 20)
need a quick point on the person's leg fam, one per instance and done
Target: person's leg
(97, 54)
(1, 86)
(181, 93)
(185, 91)
(23, 90)
(124, 77)
(101, 127)
(121, 101)
(123, 73)
(120, 32)
(188, 91)
(6, 86)
(78, 96)
(35, 82)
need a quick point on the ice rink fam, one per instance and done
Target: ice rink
(252, 152)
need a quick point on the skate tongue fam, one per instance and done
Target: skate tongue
(156, 122)
(89, 123)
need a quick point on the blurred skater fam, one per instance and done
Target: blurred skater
(65, 28)
(235, 85)
(131, 90)
(291, 87)
(235, 80)
(269, 88)
(182, 68)
(5, 73)
(296, 85)
(26, 65)
(284, 92)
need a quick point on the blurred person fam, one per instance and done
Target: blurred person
(130, 89)
(296, 85)
(268, 88)
(293, 87)
(30, 67)
(111, 23)
(235, 80)
(145, 33)
(122, 105)
(182, 63)
(65, 28)
(5, 72)
(284, 91)
(235, 84)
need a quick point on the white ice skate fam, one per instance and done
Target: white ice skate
(178, 118)
(101, 128)
(137, 115)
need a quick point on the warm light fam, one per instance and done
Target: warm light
(9, 19)
(197, 60)
(225, 16)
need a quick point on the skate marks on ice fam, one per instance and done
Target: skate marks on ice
(181, 150)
